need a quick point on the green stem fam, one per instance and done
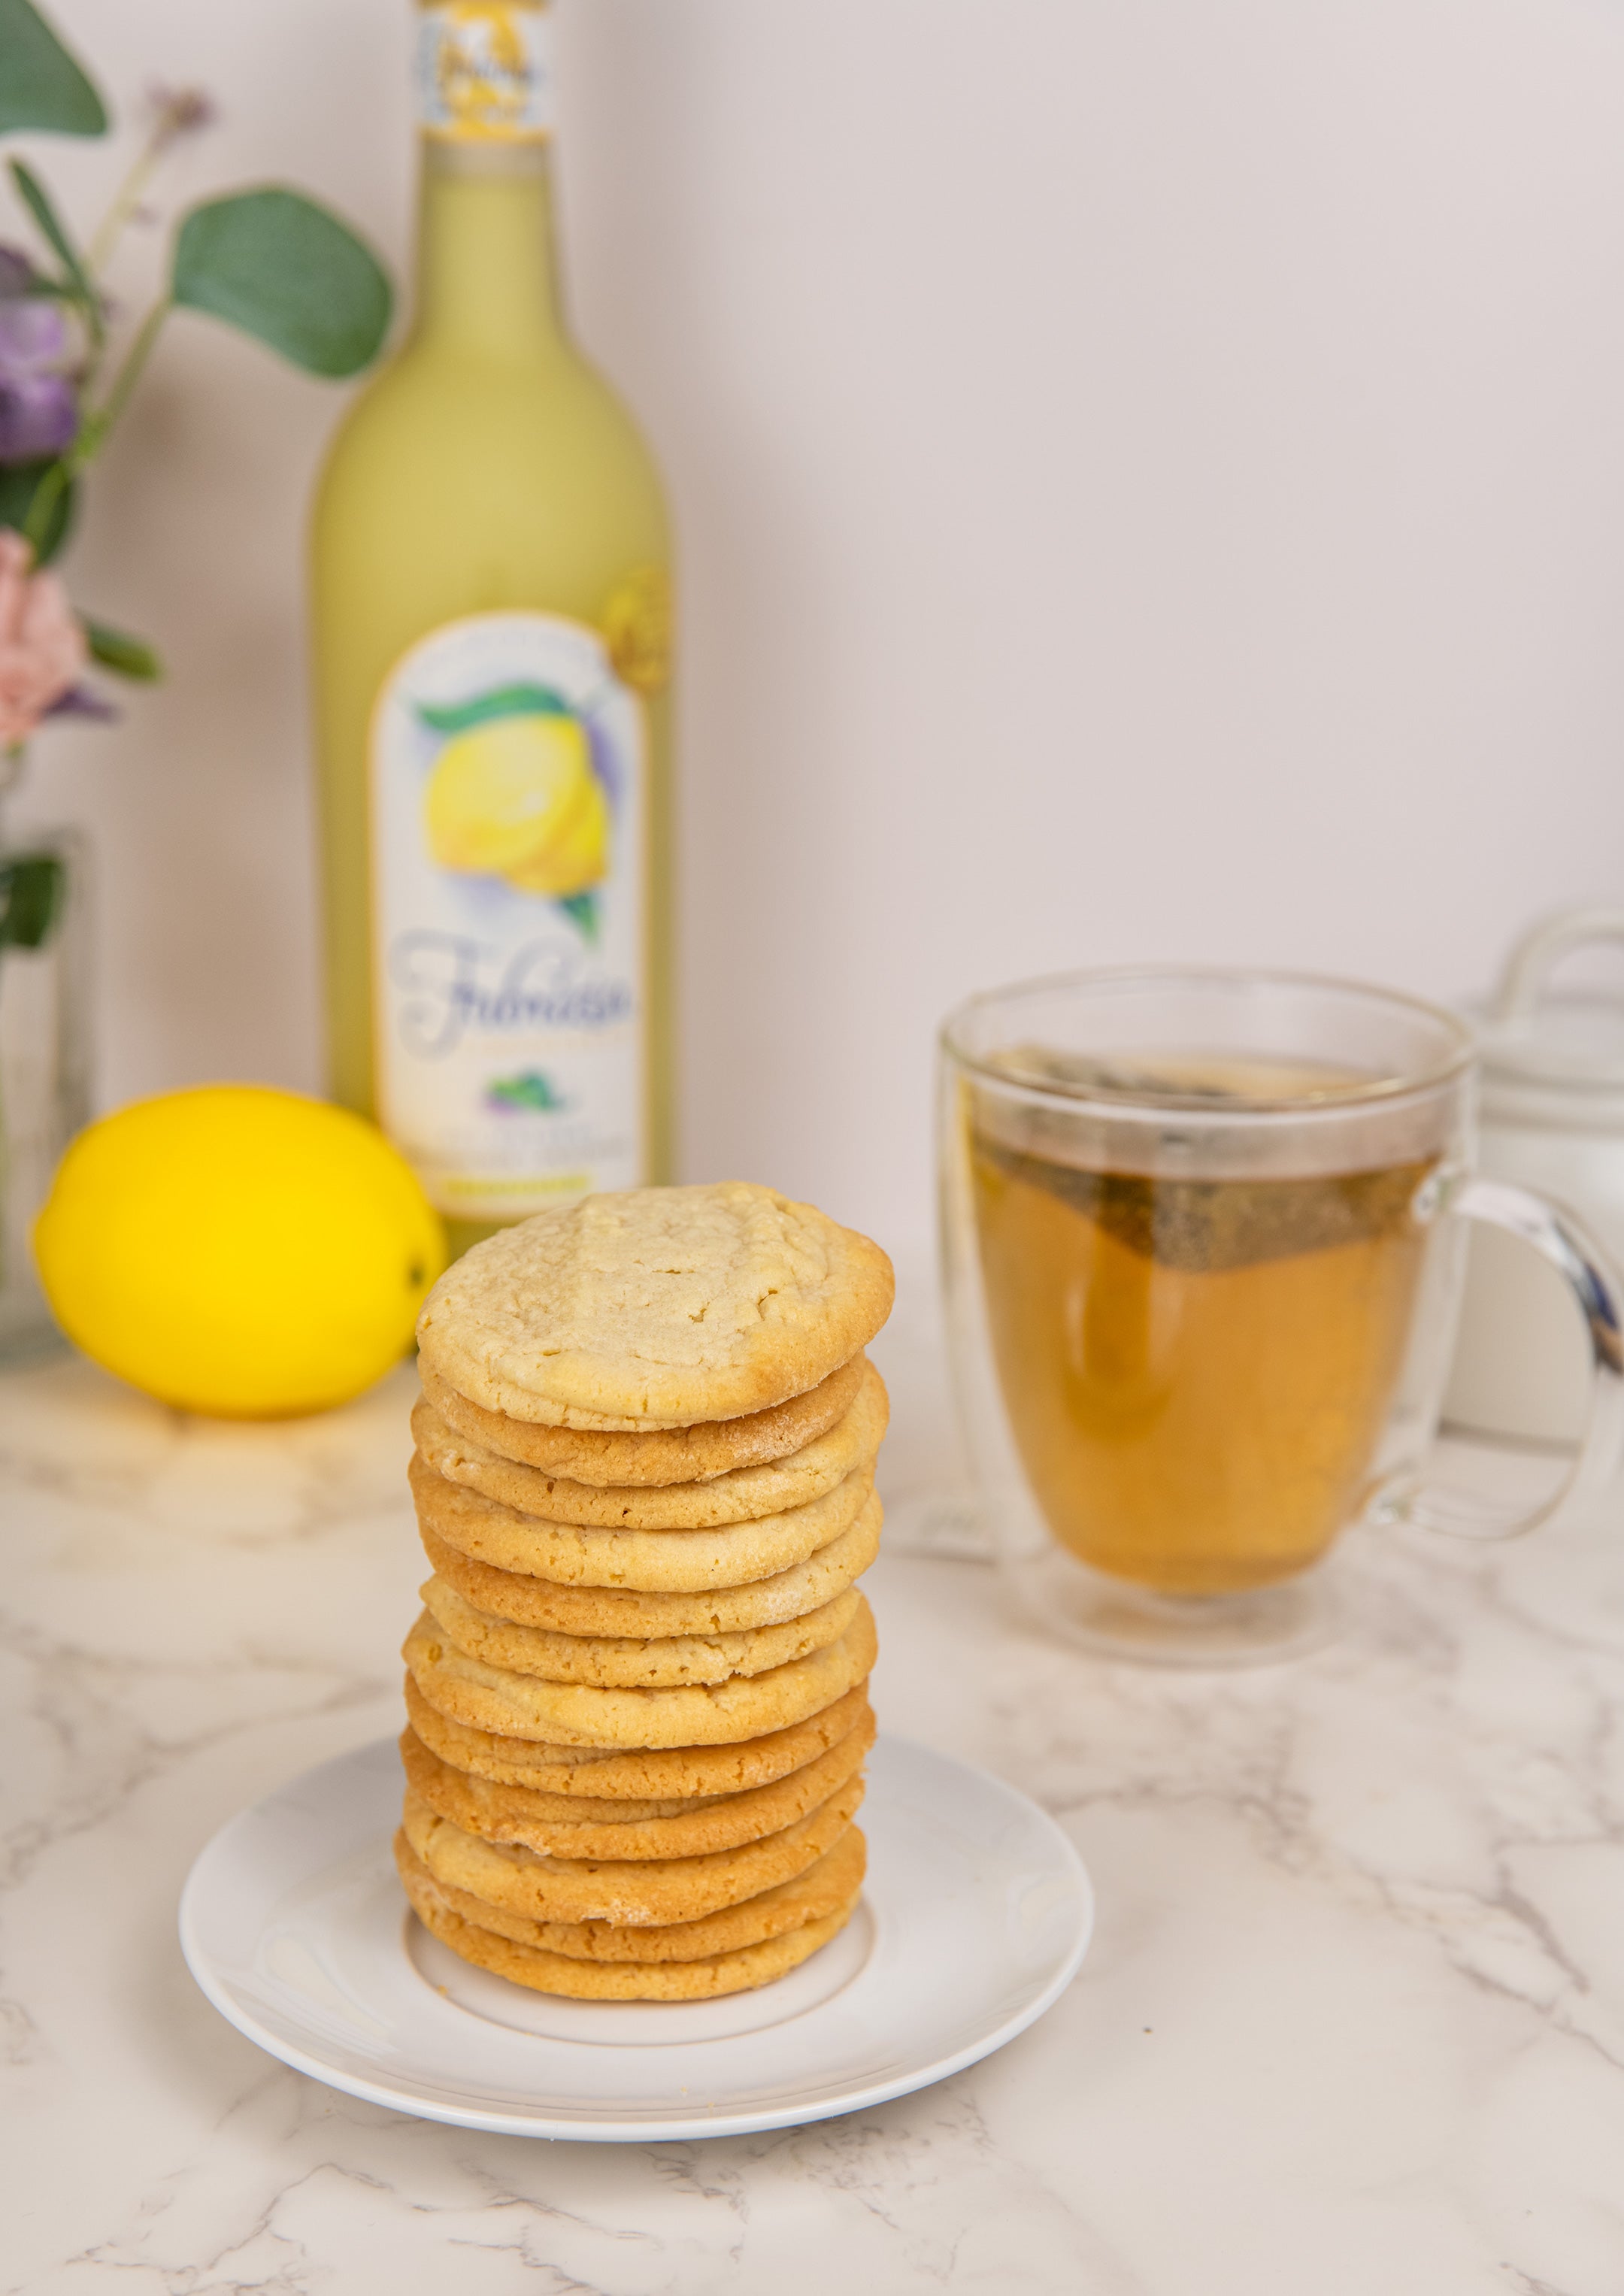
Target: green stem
(95, 429)
(92, 438)
(125, 200)
(47, 493)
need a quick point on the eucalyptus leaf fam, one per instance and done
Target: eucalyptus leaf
(117, 649)
(38, 200)
(276, 265)
(31, 890)
(41, 86)
(17, 488)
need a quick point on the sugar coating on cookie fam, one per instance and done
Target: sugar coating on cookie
(623, 1610)
(658, 1456)
(635, 1891)
(511, 1704)
(556, 1827)
(656, 1307)
(652, 1561)
(669, 1981)
(831, 1882)
(597, 1773)
(627, 1661)
(740, 1494)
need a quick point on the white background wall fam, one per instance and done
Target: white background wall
(1151, 480)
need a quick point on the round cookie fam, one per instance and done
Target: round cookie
(509, 1814)
(621, 1611)
(664, 1454)
(585, 1980)
(822, 1889)
(632, 1891)
(625, 1663)
(570, 1713)
(745, 1494)
(655, 1308)
(648, 1562)
(653, 1780)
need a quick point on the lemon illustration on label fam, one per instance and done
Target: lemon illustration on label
(577, 856)
(514, 794)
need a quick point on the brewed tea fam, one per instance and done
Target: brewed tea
(1197, 1371)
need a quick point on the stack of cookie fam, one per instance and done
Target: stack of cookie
(637, 1692)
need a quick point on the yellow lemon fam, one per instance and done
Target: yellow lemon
(238, 1251)
(500, 793)
(577, 856)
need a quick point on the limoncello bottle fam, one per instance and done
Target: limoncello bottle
(491, 601)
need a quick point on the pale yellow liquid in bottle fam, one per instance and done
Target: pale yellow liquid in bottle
(488, 469)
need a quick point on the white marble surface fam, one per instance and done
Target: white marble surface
(1353, 2026)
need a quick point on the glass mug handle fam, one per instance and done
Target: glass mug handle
(1561, 1238)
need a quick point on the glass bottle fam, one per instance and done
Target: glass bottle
(490, 575)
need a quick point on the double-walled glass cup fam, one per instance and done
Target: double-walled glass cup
(1202, 1241)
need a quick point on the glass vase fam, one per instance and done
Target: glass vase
(45, 1062)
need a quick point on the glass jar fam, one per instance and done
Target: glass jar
(45, 1066)
(1552, 1118)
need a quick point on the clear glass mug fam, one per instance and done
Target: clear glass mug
(1202, 1243)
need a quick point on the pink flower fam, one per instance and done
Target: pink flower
(42, 647)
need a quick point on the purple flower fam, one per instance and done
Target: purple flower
(83, 701)
(18, 276)
(38, 416)
(33, 335)
(38, 413)
(178, 111)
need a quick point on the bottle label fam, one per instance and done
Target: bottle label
(485, 71)
(509, 823)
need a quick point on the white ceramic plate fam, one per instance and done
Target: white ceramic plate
(975, 1915)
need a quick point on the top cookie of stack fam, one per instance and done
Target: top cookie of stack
(656, 1311)
(644, 1479)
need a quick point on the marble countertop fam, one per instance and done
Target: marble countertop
(1353, 2024)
